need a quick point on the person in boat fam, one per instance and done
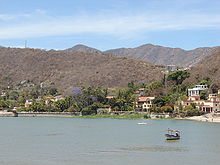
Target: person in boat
(177, 134)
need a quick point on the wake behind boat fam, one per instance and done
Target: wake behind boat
(172, 134)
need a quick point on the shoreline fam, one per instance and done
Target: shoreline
(78, 115)
(193, 118)
(46, 114)
(215, 118)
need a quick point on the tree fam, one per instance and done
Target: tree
(34, 93)
(95, 106)
(73, 108)
(181, 88)
(38, 106)
(183, 97)
(191, 111)
(203, 95)
(90, 95)
(4, 104)
(131, 85)
(120, 102)
(178, 76)
(13, 95)
(100, 94)
(153, 86)
(205, 81)
(163, 80)
(163, 100)
(61, 105)
(155, 109)
(167, 109)
(124, 100)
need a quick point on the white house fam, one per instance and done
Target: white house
(197, 90)
(28, 103)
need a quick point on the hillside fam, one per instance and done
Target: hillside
(208, 67)
(71, 69)
(164, 55)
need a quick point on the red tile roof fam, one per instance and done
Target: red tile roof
(143, 99)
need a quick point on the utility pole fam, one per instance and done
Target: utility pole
(25, 44)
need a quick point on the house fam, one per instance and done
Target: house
(197, 90)
(53, 99)
(28, 103)
(144, 103)
(57, 98)
(207, 106)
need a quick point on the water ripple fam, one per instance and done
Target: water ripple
(156, 149)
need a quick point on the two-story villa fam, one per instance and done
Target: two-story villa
(197, 90)
(145, 103)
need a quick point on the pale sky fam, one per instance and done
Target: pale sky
(108, 24)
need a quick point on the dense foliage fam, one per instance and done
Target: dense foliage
(85, 99)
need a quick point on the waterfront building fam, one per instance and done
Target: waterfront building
(145, 103)
(207, 106)
(28, 103)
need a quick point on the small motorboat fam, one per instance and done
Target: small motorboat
(142, 123)
(172, 134)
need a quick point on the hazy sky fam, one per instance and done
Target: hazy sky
(107, 24)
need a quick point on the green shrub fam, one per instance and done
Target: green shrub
(147, 116)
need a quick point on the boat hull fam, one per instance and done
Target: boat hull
(142, 123)
(172, 137)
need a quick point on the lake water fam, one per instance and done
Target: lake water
(70, 141)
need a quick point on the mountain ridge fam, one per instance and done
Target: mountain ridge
(156, 54)
(160, 55)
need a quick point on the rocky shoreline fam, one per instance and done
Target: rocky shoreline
(211, 117)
